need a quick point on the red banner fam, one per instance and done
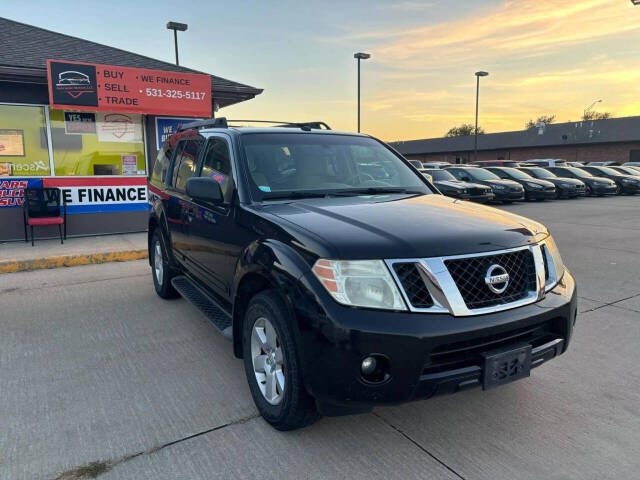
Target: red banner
(89, 86)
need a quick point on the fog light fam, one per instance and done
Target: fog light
(369, 365)
(375, 368)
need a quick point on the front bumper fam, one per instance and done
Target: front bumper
(483, 198)
(428, 354)
(630, 189)
(508, 196)
(604, 189)
(540, 194)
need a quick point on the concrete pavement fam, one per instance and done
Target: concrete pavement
(21, 256)
(96, 368)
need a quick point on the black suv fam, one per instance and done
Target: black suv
(343, 279)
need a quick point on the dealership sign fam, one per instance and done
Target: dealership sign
(87, 86)
(94, 195)
(12, 190)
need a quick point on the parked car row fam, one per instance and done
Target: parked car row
(539, 179)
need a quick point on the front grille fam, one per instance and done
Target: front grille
(469, 274)
(467, 353)
(414, 287)
(477, 191)
(544, 261)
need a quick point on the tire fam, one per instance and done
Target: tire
(619, 190)
(588, 191)
(287, 405)
(162, 271)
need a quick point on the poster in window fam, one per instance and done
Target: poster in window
(119, 127)
(79, 123)
(11, 143)
(129, 164)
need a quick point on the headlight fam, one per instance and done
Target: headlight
(359, 283)
(535, 186)
(464, 190)
(553, 261)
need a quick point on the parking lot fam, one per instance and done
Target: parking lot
(106, 376)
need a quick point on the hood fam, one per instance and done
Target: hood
(511, 184)
(538, 181)
(453, 183)
(601, 180)
(399, 226)
(566, 181)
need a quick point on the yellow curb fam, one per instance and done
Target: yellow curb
(13, 266)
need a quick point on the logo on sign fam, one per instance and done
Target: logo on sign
(74, 84)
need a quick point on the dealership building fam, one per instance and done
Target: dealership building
(89, 119)
(615, 139)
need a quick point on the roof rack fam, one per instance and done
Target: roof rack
(222, 122)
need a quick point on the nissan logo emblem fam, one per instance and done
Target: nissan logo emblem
(497, 279)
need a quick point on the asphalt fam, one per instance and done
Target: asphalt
(97, 372)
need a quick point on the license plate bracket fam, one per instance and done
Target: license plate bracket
(506, 365)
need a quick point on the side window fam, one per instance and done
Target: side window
(499, 173)
(184, 165)
(217, 164)
(159, 174)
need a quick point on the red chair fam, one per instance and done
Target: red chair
(44, 206)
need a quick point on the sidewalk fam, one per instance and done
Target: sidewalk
(21, 256)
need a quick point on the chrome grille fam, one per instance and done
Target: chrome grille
(469, 274)
(411, 281)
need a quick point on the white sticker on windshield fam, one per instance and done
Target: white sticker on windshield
(264, 188)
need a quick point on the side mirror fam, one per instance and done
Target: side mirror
(204, 189)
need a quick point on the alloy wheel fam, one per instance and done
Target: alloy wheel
(158, 262)
(268, 361)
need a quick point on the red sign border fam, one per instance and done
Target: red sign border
(82, 108)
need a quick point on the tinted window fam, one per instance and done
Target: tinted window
(184, 165)
(439, 174)
(498, 172)
(539, 173)
(216, 163)
(514, 173)
(480, 174)
(161, 166)
(312, 162)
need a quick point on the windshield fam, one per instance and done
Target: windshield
(628, 171)
(440, 174)
(480, 174)
(578, 172)
(540, 173)
(512, 172)
(607, 171)
(287, 165)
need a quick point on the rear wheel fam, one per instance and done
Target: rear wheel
(272, 366)
(160, 268)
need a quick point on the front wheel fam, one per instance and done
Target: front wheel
(160, 268)
(272, 366)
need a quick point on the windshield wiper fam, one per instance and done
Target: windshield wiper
(376, 191)
(292, 195)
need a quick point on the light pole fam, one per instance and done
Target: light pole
(175, 26)
(360, 56)
(584, 114)
(475, 140)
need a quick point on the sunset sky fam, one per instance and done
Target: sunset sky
(544, 56)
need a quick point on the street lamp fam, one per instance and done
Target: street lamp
(360, 56)
(175, 26)
(475, 140)
(584, 114)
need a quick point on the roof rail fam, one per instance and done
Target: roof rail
(219, 122)
(279, 123)
(222, 122)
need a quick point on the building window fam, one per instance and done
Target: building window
(97, 143)
(23, 141)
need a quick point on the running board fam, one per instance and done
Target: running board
(205, 303)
